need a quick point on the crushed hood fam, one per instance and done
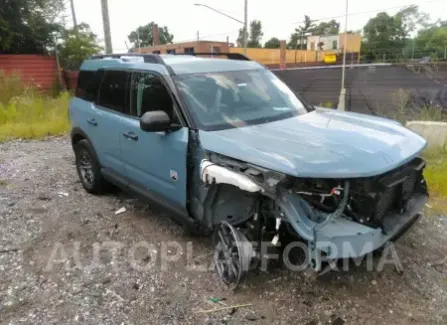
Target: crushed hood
(323, 143)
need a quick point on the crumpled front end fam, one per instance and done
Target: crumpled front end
(335, 218)
(353, 217)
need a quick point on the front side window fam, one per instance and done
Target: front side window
(234, 99)
(113, 91)
(148, 93)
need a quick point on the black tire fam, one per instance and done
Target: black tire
(88, 168)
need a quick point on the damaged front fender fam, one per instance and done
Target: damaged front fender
(211, 173)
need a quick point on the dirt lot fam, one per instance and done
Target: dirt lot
(38, 225)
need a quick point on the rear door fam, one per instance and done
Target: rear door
(110, 108)
(155, 161)
(83, 112)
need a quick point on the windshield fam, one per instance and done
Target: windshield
(225, 100)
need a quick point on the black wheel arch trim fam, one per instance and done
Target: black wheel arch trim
(77, 131)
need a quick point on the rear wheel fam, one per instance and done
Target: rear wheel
(88, 168)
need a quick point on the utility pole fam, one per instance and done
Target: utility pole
(445, 51)
(138, 40)
(106, 26)
(73, 14)
(412, 51)
(198, 36)
(342, 99)
(245, 26)
(58, 66)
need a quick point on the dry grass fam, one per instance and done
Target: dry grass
(403, 111)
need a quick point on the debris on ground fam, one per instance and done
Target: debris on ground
(120, 211)
(223, 308)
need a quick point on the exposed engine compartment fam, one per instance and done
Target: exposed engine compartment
(367, 200)
(335, 218)
(370, 199)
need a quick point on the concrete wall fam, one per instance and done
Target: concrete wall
(354, 42)
(434, 132)
(271, 56)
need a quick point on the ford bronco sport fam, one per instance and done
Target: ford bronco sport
(228, 148)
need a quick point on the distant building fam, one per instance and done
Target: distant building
(188, 47)
(334, 42)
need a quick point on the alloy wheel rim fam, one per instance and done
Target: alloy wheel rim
(86, 168)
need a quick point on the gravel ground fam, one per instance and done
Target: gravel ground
(52, 271)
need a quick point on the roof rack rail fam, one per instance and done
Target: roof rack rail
(148, 58)
(231, 56)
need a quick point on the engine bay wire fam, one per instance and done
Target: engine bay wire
(340, 209)
(335, 190)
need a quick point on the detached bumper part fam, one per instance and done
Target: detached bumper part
(343, 238)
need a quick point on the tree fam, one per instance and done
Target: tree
(29, 26)
(255, 34)
(293, 41)
(272, 43)
(240, 38)
(381, 36)
(301, 33)
(430, 41)
(77, 45)
(145, 37)
(331, 27)
(386, 36)
(409, 19)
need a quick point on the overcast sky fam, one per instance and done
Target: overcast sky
(279, 17)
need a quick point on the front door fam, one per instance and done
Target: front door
(156, 161)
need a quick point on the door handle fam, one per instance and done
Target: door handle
(131, 136)
(92, 121)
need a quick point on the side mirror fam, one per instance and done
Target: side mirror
(156, 121)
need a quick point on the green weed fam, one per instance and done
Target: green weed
(327, 104)
(436, 173)
(33, 116)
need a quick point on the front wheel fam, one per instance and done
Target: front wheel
(88, 168)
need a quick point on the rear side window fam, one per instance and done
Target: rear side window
(113, 91)
(88, 84)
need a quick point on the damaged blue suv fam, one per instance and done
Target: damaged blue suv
(227, 148)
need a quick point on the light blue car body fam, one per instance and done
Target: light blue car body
(320, 144)
(323, 144)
